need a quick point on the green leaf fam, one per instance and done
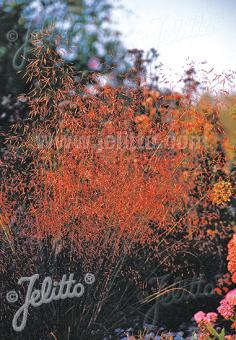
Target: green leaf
(222, 334)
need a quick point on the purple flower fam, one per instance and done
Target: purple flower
(94, 64)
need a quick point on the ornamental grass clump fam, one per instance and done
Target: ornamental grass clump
(98, 166)
(96, 180)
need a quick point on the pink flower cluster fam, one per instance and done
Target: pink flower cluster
(227, 305)
(231, 296)
(204, 320)
(201, 317)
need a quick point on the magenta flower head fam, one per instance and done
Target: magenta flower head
(211, 317)
(231, 296)
(226, 309)
(199, 317)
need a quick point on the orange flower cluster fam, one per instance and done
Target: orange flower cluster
(221, 193)
(232, 257)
